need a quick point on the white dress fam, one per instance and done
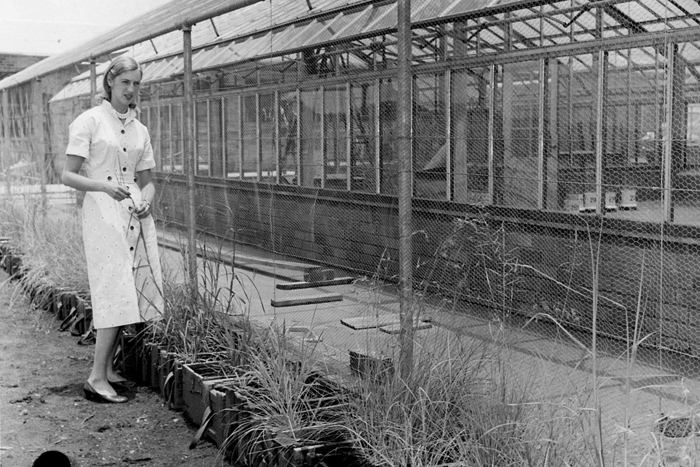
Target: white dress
(122, 250)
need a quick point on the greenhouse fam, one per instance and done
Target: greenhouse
(535, 164)
(550, 121)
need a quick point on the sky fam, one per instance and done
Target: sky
(50, 27)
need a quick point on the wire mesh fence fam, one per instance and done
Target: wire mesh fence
(555, 164)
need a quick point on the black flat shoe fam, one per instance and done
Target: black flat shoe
(125, 385)
(92, 395)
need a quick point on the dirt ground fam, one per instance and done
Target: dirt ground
(42, 408)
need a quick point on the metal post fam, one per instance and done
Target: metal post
(5, 146)
(39, 138)
(668, 134)
(93, 82)
(405, 164)
(189, 162)
(601, 61)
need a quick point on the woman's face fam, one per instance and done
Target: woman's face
(125, 89)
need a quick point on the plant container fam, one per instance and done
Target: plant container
(223, 405)
(375, 368)
(171, 388)
(197, 381)
(129, 358)
(261, 447)
(146, 358)
(154, 381)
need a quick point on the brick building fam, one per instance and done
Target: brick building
(12, 63)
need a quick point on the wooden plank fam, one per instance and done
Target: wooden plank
(312, 300)
(373, 321)
(395, 328)
(307, 285)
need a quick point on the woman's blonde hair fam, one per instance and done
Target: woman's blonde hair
(118, 66)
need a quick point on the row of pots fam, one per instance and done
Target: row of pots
(211, 398)
(207, 396)
(72, 308)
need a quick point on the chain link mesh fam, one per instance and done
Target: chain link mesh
(555, 164)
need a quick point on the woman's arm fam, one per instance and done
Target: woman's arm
(148, 192)
(71, 177)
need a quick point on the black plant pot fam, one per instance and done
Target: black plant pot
(129, 360)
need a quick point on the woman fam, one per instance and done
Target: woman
(119, 234)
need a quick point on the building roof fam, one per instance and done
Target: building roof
(156, 34)
(233, 31)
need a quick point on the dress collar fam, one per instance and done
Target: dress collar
(107, 106)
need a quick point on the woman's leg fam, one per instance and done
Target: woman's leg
(105, 340)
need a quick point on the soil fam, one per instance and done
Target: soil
(42, 407)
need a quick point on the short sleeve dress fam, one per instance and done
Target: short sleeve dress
(123, 263)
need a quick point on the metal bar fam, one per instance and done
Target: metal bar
(405, 172)
(608, 44)
(258, 140)
(240, 137)
(38, 98)
(189, 162)
(447, 77)
(298, 141)
(377, 139)
(5, 145)
(667, 137)
(542, 189)
(222, 126)
(209, 142)
(512, 7)
(93, 81)
(348, 134)
(322, 91)
(600, 115)
(491, 133)
(195, 137)
(276, 138)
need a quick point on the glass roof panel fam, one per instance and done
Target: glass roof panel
(289, 34)
(363, 20)
(691, 6)
(385, 20)
(262, 44)
(431, 9)
(300, 40)
(466, 6)
(328, 28)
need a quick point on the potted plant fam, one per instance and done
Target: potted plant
(281, 413)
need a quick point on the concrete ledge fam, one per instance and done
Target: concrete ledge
(306, 300)
(308, 285)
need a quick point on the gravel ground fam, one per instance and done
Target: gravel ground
(42, 408)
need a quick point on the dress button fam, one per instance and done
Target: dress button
(124, 149)
(130, 208)
(131, 248)
(132, 227)
(109, 178)
(124, 169)
(136, 179)
(123, 131)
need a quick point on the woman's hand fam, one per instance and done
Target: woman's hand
(115, 191)
(143, 209)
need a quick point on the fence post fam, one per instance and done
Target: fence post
(93, 81)
(5, 145)
(38, 135)
(405, 164)
(189, 162)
